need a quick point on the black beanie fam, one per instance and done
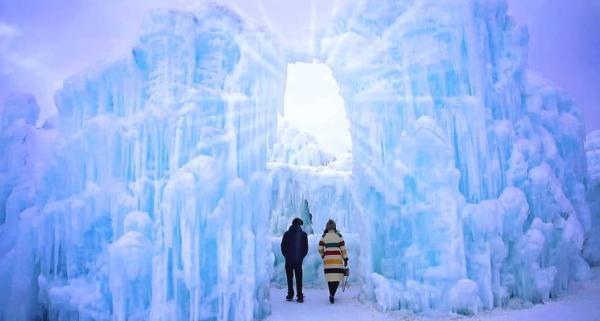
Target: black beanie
(297, 221)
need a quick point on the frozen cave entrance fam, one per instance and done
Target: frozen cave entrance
(310, 165)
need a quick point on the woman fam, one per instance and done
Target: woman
(335, 257)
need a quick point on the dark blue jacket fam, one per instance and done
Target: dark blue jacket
(294, 245)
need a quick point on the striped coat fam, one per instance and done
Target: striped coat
(333, 251)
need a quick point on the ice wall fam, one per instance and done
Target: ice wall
(470, 174)
(26, 149)
(154, 207)
(153, 198)
(295, 147)
(315, 194)
(309, 183)
(592, 245)
(18, 126)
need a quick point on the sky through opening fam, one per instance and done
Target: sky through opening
(313, 104)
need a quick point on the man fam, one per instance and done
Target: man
(294, 247)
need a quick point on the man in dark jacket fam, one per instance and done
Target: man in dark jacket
(294, 247)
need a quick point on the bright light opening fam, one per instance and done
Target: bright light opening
(313, 104)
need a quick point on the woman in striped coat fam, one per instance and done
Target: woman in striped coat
(335, 257)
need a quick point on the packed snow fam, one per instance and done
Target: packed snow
(580, 304)
(161, 189)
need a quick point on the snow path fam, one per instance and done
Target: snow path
(316, 306)
(580, 303)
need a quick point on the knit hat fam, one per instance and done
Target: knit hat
(330, 225)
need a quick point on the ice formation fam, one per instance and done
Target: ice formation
(592, 147)
(312, 184)
(466, 168)
(151, 195)
(297, 148)
(157, 198)
(314, 194)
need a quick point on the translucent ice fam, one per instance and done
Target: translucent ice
(592, 147)
(157, 198)
(151, 195)
(466, 165)
(297, 148)
(312, 184)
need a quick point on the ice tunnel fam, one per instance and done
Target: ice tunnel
(156, 193)
(310, 168)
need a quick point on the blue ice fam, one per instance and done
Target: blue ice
(158, 191)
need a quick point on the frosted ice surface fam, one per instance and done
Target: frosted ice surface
(152, 195)
(464, 297)
(592, 147)
(466, 165)
(157, 197)
(22, 107)
(297, 148)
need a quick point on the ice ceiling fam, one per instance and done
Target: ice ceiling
(153, 194)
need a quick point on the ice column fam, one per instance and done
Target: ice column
(156, 205)
(592, 147)
(457, 69)
(25, 153)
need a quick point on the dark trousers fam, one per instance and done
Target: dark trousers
(333, 287)
(290, 270)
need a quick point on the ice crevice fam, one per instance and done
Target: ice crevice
(160, 189)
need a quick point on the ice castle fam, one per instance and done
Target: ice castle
(160, 189)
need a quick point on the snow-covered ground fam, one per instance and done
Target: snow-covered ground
(580, 303)
(316, 306)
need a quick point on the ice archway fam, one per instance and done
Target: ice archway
(467, 173)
